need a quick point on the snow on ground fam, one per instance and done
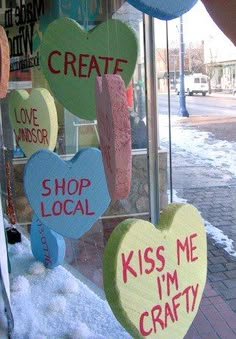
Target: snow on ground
(201, 148)
(199, 145)
(53, 304)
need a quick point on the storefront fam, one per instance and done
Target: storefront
(47, 63)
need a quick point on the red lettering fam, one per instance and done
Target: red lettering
(70, 59)
(176, 306)
(107, 61)
(149, 260)
(47, 188)
(34, 137)
(140, 261)
(159, 288)
(47, 259)
(72, 190)
(192, 248)
(126, 266)
(188, 248)
(35, 118)
(28, 116)
(43, 240)
(156, 313)
(117, 65)
(93, 65)
(160, 257)
(141, 325)
(83, 184)
(57, 208)
(195, 292)
(87, 212)
(168, 313)
(184, 247)
(23, 115)
(39, 136)
(82, 65)
(59, 186)
(53, 70)
(18, 121)
(172, 279)
(43, 213)
(65, 207)
(79, 207)
(45, 136)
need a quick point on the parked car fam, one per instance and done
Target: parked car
(195, 84)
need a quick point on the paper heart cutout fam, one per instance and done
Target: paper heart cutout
(115, 134)
(47, 246)
(163, 9)
(72, 59)
(67, 196)
(4, 63)
(223, 13)
(34, 119)
(154, 277)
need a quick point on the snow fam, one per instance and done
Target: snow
(217, 153)
(201, 148)
(55, 304)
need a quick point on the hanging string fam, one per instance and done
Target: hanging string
(89, 12)
(169, 111)
(108, 32)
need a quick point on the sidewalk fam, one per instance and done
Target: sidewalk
(213, 192)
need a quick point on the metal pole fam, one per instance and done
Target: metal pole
(182, 103)
(151, 111)
(169, 113)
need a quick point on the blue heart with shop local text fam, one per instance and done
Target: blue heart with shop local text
(67, 196)
(163, 9)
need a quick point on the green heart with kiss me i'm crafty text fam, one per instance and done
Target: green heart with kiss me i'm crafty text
(154, 277)
(72, 58)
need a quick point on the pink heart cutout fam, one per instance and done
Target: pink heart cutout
(4, 63)
(115, 134)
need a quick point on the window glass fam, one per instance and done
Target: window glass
(75, 133)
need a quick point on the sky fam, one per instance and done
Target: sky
(197, 25)
(54, 304)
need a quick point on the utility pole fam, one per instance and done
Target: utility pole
(182, 103)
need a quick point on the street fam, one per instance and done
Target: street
(200, 105)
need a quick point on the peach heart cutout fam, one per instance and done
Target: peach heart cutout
(115, 134)
(34, 119)
(224, 15)
(154, 277)
(4, 63)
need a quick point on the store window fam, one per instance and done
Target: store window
(75, 133)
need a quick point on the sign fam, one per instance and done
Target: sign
(4, 63)
(163, 9)
(67, 196)
(20, 29)
(47, 246)
(34, 120)
(115, 134)
(154, 277)
(71, 60)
